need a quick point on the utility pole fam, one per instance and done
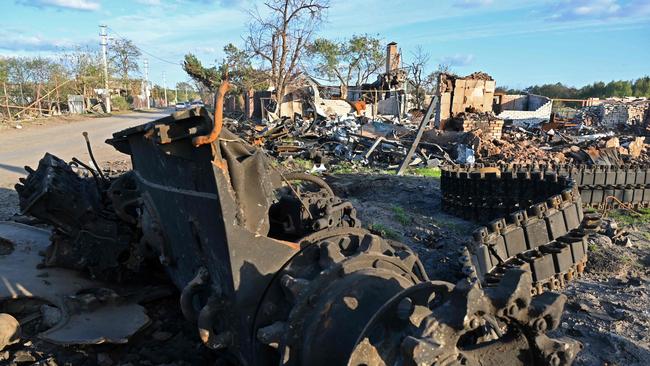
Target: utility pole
(103, 41)
(165, 86)
(146, 81)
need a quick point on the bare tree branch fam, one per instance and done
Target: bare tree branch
(280, 37)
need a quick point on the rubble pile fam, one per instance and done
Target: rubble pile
(381, 143)
(260, 263)
(464, 129)
(521, 146)
(472, 136)
(479, 75)
(617, 112)
(490, 126)
(518, 148)
(474, 92)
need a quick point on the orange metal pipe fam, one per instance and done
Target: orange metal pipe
(218, 117)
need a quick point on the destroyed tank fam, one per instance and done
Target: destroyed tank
(272, 267)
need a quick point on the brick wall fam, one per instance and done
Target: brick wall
(490, 129)
(614, 113)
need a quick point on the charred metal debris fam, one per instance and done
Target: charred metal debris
(273, 268)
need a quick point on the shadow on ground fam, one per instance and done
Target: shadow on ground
(12, 168)
(8, 203)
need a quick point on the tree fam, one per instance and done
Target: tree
(507, 90)
(430, 83)
(621, 88)
(210, 77)
(353, 60)
(185, 90)
(124, 58)
(243, 76)
(4, 69)
(419, 62)
(85, 66)
(241, 73)
(279, 37)
(595, 90)
(641, 87)
(557, 90)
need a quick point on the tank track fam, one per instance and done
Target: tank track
(534, 215)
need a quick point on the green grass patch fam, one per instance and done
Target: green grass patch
(401, 216)
(346, 167)
(299, 164)
(426, 172)
(626, 259)
(451, 225)
(630, 218)
(383, 231)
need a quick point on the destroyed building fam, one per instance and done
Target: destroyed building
(616, 112)
(472, 103)
(466, 104)
(523, 110)
(308, 97)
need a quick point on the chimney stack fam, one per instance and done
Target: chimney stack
(392, 57)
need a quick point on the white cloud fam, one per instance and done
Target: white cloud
(457, 60)
(14, 40)
(472, 3)
(149, 2)
(184, 32)
(572, 10)
(84, 5)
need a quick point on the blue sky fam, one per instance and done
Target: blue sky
(518, 42)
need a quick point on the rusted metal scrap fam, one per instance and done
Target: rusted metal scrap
(275, 272)
(79, 310)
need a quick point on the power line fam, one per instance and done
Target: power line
(145, 51)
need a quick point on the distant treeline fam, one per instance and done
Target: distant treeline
(621, 88)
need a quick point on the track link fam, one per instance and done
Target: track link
(534, 215)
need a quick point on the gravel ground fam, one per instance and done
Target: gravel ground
(8, 203)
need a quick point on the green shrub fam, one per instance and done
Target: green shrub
(383, 231)
(401, 216)
(119, 103)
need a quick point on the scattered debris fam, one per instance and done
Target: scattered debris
(77, 310)
(9, 330)
(264, 258)
(271, 264)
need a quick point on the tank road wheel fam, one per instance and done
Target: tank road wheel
(319, 303)
(431, 324)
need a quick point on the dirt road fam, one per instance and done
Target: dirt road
(20, 147)
(26, 146)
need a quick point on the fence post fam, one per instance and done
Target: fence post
(4, 87)
(58, 101)
(38, 100)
